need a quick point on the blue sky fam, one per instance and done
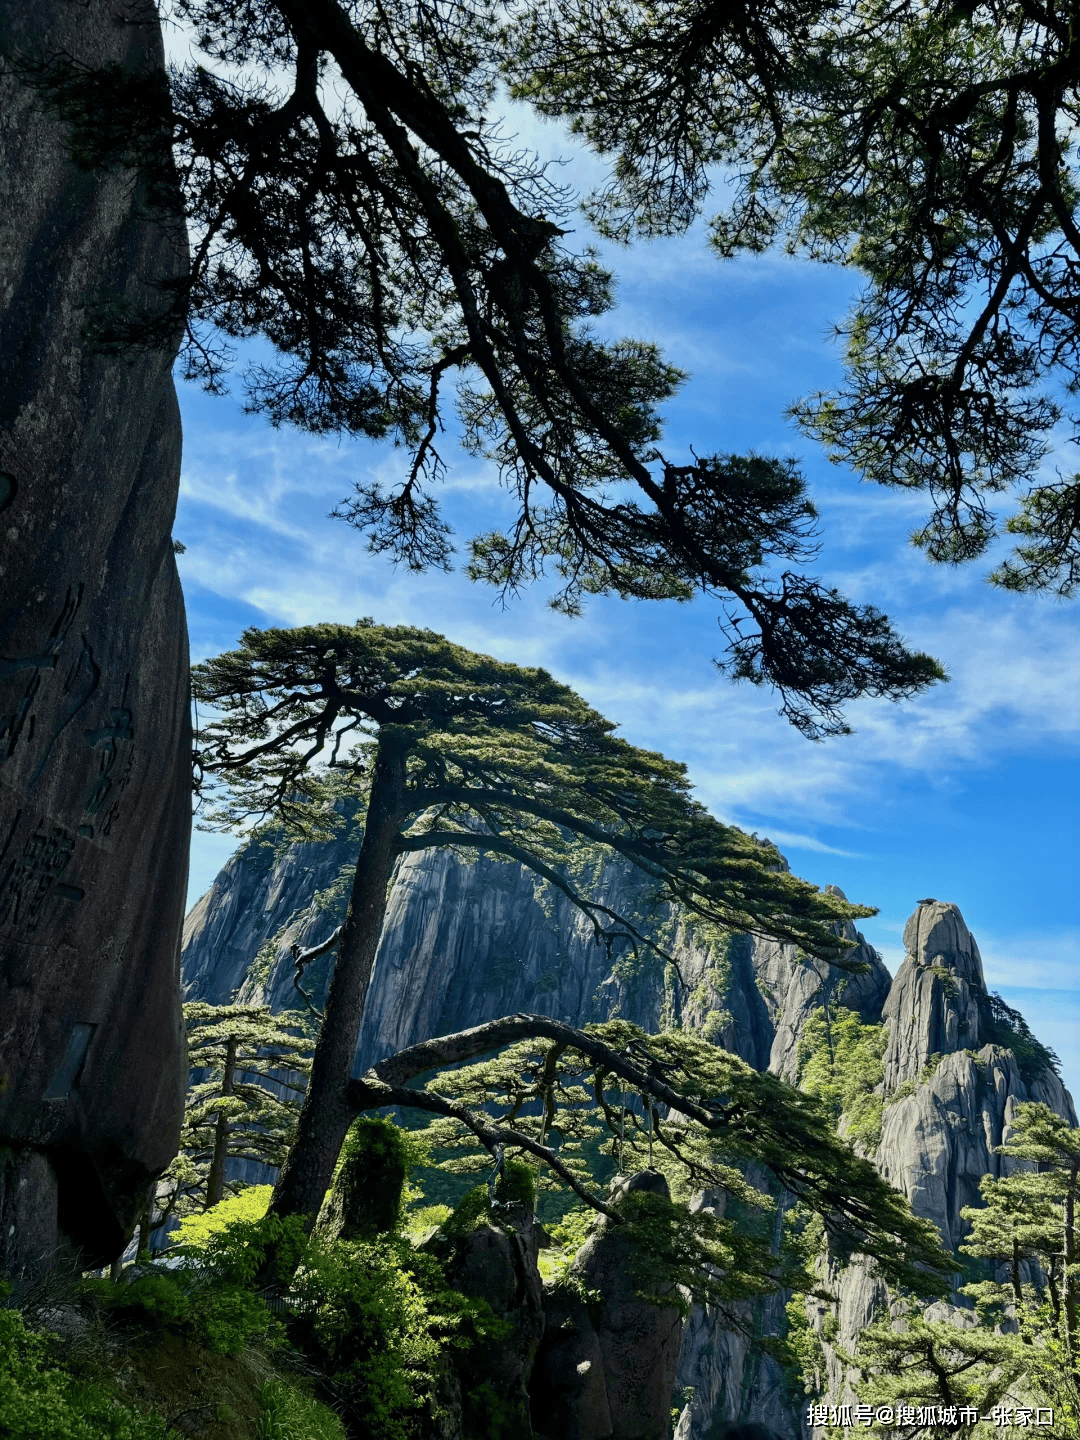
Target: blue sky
(968, 794)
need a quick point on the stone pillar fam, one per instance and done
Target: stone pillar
(94, 728)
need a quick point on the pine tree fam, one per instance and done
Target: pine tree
(1016, 1351)
(928, 146)
(352, 202)
(458, 750)
(533, 1089)
(253, 1066)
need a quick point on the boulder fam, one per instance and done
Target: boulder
(94, 727)
(607, 1362)
(495, 1262)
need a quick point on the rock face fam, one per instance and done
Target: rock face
(607, 1365)
(949, 1098)
(94, 735)
(468, 942)
(497, 1263)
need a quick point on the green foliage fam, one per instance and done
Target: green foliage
(369, 1183)
(472, 1210)
(801, 1352)
(219, 1312)
(384, 1317)
(161, 1297)
(237, 1253)
(1023, 1350)
(374, 1315)
(248, 1204)
(286, 1413)
(1002, 1025)
(39, 1400)
(565, 1100)
(840, 1061)
(516, 1185)
(245, 1056)
(567, 1237)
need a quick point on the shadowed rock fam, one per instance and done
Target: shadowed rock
(94, 733)
(485, 1388)
(607, 1364)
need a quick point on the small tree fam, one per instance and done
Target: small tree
(459, 750)
(246, 1107)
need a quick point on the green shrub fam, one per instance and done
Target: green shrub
(516, 1185)
(373, 1332)
(249, 1204)
(472, 1210)
(226, 1317)
(374, 1164)
(1002, 1025)
(384, 1319)
(287, 1414)
(235, 1252)
(40, 1401)
(160, 1297)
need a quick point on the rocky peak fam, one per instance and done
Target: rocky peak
(936, 935)
(933, 1006)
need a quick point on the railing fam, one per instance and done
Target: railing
(288, 1302)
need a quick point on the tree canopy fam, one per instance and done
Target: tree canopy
(498, 758)
(353, 200)
(929, 146)
(676, 1103)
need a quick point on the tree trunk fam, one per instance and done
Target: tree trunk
(215, 1180)
(146, 1229)
(327, 1112)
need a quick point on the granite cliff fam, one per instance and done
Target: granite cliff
(94, 731)
(469, 941)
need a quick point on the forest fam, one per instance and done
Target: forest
(498, 1083)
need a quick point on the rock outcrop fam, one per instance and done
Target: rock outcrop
(949, 1096)
(608, 1359)
(94, 730)
(469, 940)
(497, 1263)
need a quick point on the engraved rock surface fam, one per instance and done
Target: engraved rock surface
(94, 731)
